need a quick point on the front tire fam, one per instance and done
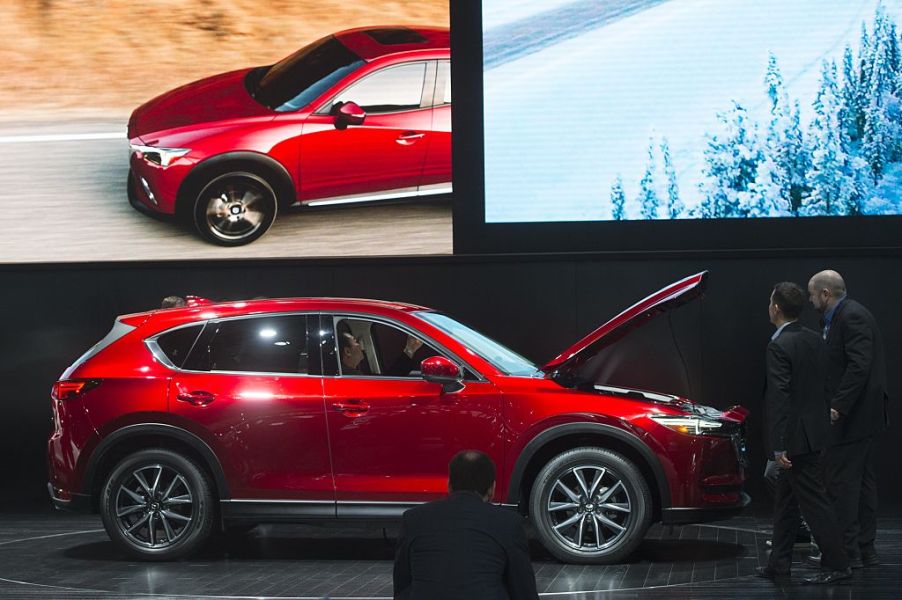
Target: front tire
(157, 505)
(234, 209)
(590, 506)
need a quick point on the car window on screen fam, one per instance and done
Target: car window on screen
(299, 79)
(260, 345)
(390, 90)
(443, 83)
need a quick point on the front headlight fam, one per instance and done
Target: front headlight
(690, 425)
(160, 156)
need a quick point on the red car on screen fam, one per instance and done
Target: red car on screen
(359, 116)
(186, 420)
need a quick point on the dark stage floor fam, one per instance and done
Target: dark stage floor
(59, 555)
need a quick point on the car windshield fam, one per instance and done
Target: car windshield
(504, 359)
(296, 81)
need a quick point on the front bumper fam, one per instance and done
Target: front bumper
(140, 203)
(683, 515)
(68, 501)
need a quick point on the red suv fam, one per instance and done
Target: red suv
(360, 116)
(182, 421)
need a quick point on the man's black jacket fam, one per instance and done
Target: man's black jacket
(856, 377)
(462, 548)
(795, 397)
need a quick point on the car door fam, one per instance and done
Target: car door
(391, 432)
(253, 389)
(381, 157)
(436, 177)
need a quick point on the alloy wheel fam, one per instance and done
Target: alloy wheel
(589, 508)
(154, 506)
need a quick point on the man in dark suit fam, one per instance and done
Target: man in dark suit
(856, 389)
(462, 547)
(798, 429)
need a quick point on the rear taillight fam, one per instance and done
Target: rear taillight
(63, 390)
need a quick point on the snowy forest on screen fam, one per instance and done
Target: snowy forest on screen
(844, 161)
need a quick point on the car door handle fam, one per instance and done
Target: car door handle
(198, 398)
(351, 407)
(409, 137)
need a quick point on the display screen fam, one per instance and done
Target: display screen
(225, 129)
(691, 110)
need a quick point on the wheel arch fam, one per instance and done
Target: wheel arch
(265, 166)
(132, 438)
(561, 438)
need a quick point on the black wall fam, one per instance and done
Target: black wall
(537, 305)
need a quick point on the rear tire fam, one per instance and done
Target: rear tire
(590, 506)
(235, 208)
(157, 505)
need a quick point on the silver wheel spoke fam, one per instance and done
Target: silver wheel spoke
(597, 481)
(132, 494)
(619, 507)
(142, 482)
(174, 515)
(609, 523)
(151, 526)
(170, 535)
(582, 482)
(179, 500)
(579, 531)
(556, 506)
(570, 493)
(156, 481)
(604, 497)
(599, 536)
(168, 491)
(568, 522)
(129, 510)
(137, 523)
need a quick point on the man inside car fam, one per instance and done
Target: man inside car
(352, 356)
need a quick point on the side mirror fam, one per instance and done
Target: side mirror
(438, 369)
(349, 113)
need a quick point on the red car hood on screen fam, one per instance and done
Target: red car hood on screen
(214, 98)
(673, 295)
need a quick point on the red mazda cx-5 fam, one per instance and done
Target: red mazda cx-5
(359, 116)
(183, 421)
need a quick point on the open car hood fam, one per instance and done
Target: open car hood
(672, 296)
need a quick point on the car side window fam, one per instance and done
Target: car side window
(276, 344)
(376, 349)
(443, 83)
(392, 89)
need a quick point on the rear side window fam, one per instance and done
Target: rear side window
(178, 343)
(254, 345)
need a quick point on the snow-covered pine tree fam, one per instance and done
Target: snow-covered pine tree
(828, 157)
(675, 206)
(798, 155)
(731, 164)
(859, 190)
(875, 147)
(883, 56)
(774, 81)
(780, 182)
(648, 197)
(841, 181)
(618, 200)
(864, 61)
(851, 115)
